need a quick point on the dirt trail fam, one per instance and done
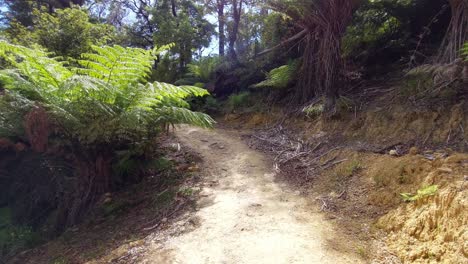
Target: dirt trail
(244, 216)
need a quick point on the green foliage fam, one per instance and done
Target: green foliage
(13, 237)
(67, 32)
(167, 69)
(103, 113)
(189, 29)
(211, 104)
(372, 26)
(421, 193)
(384, 31)
(204, 68)
(104, 101)
(313, 110)
(464, 51)
(200, 72)
(280, 77)
(237, 101)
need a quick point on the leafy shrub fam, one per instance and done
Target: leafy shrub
(211, 105)
(204, 68)
(200, 72)
(66, 32)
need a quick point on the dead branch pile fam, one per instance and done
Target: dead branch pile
(299, 159)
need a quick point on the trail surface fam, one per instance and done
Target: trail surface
(244, 216)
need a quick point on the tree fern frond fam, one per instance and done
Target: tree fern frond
(117, 65)
(158, 50)
(177, 115)
(35, 64)
(104, 101)
(171, 95)
(280, 77)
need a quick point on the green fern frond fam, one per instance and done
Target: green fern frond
(279, 77)
(117, 65)
(178, 115)
(36, 64)
(421, 193)
(464, 51)
(203, 69)
(158, 50)
(107, 100)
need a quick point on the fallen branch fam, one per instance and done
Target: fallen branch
(333, 164)
(324, 154)
(268, 141)
(294, 157)
(316, 146)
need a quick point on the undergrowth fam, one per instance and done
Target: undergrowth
(13, 237)
(238, 101)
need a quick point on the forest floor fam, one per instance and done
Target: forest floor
(256, 193)
(240, 214)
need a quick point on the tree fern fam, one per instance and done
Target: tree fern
(108, 88)
(93, 111)
(200, 72)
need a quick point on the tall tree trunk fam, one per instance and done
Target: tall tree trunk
(236, 15)
(221, 24)
(457, 32)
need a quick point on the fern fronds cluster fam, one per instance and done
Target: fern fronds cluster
(104, 100)
(200, 72)
(280, 77)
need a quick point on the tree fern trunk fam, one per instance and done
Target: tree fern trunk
(457, 33)
(323, 65)
(94, 171)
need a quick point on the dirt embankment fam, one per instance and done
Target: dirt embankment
(395, 180)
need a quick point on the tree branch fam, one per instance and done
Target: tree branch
(284, 42)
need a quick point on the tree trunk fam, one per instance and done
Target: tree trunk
(236, 15)
(457, 32)
(221, 24)
(94, 171)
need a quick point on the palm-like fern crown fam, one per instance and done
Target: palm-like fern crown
(106, 98)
